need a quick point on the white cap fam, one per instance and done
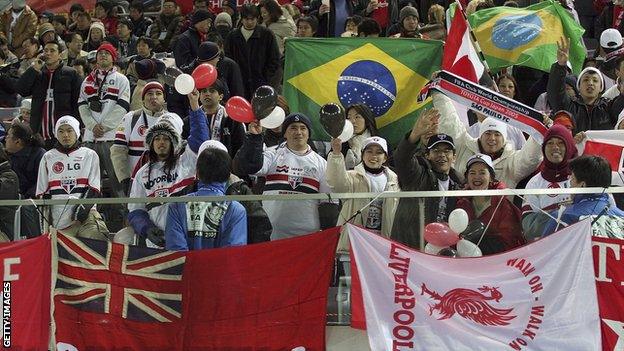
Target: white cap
(26, 104)
(611, 39)
(483, 159)
(493, 124)
(376, 141)
(69, 120)
(174, 119)
(211, 144)
(593, 70)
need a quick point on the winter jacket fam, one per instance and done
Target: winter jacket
(597, 117)
(163, 29)
(186, 49)
(510, 167)
(222, 224)
(9, 184)
(416, 174)
(588, 205)
(282, 29)
(504, 219)
(355, 181)
(8, 96)
(140, 26)
(258, 57)
(327, 20)
(232, 132)
(25, 163)
(230, 73)
(25, 27)
(66, 85)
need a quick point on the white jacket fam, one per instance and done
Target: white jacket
(511, 167)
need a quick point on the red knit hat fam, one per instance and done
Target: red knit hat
(152, 85)
(110, 48)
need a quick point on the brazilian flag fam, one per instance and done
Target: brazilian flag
(527, 36)
(385, 74)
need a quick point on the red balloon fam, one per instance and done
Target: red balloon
(239, 109)
(204, 75)
(440, 234)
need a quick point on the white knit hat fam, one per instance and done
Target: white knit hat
(593, 70)
(493, 124)
(69, 120)
(211, 144)
(26, 104)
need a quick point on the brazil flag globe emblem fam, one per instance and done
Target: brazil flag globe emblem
(385, 74)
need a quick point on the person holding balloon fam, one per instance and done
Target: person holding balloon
(222, 128)
(369, 176)
(498, 213)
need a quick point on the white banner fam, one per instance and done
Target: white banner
(541, 296)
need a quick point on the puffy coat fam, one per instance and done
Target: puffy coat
(504, 219)
(25, 27)
(282, 29)
(511, 166)
(355, 181)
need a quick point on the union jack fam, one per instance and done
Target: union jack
(135, 283)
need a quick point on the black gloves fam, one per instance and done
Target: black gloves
(156, 236)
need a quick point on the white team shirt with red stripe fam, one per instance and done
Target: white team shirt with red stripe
(66, 176)
(162, 184)
(289, 173)
(533, 203)
(134, 138)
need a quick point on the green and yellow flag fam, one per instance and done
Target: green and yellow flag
(386, 74)
(527, 36)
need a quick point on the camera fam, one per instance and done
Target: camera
(95, 106)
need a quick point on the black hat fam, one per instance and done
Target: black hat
(201, 15)
(440, 138)
(297, 117)
(148, 68)
(219, 86)
(207, 51)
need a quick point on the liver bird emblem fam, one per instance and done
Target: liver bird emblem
(470, 304)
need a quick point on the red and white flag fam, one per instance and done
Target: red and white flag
(460, 56)
(541, 296)
(610, 145)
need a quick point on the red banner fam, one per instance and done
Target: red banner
(57, 6)
(26, 279)
(269, 296)
(609, 268)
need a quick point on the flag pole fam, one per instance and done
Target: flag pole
(475, 43)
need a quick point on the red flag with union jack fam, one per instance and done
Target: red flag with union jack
(269, 296)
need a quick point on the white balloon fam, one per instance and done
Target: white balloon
(466, 248)
(432, 249)
(458, 220)
(274, 119)
(184, 84)
(347, 132)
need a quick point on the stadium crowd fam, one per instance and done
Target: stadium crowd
(98, 115)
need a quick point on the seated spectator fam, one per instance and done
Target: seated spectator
(369, 176)
(105, 13)
(126, 42)
(74, 50)
(290, 168)
(363, 120)
(4, 47)
(74, 10)
(8, 191)
(307, 27)
(95, 38)
(60, 27)
(25, 152)
(71, 171)
(139, 21)
(82, 24)
(171, 167)
(591, 111)
(558, 149)
(144, 48)
(31, 50)
(510, 165)
(46, 34)
(212, 224)
(166, 26)
(424, 162)
(17, 23)
(8, 78)
(24, 113)
(607, 220)
(502, 218)
(369, 28)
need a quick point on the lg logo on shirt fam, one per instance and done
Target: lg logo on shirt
(59, 167)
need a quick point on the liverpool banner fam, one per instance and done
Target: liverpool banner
(608, 257)
(26, 276)
(541, 296)
(269, 296)
(385, 74)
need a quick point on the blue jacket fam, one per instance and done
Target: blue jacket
(232, 228)
(583, 205)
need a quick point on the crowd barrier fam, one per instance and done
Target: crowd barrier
(339, 308)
